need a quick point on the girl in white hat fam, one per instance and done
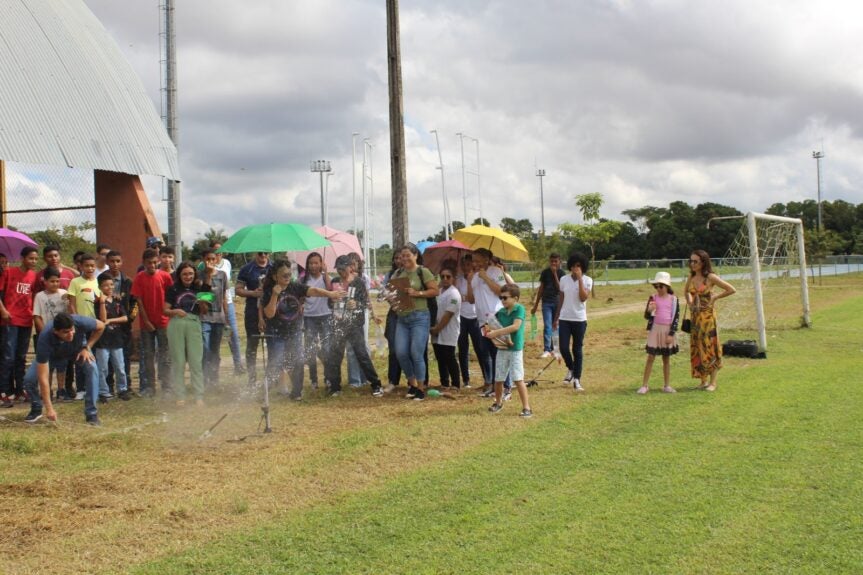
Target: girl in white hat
(662, 313)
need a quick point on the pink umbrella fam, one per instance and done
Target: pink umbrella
(11, 243)
(343, 243)
(434, 256)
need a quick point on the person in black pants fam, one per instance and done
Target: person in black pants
(249, 286)
(348, 321)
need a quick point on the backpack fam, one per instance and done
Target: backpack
(742, 348)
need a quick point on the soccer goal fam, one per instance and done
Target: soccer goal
(766, 263)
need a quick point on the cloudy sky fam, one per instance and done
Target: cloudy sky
(646, 102)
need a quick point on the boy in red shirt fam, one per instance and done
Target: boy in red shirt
(18, 287)
(149, 289)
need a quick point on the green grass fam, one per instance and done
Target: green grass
(764, 476)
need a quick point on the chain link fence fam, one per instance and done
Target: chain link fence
(52, 205)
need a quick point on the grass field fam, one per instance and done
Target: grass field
(763, 476)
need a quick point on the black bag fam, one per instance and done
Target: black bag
(742, 348)
(686, 326)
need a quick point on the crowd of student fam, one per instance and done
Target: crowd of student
(84, 339)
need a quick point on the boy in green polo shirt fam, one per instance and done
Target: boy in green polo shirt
(510, 361)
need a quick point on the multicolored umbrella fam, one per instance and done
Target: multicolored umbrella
(503, 245)
(12, 242)
(271, 238)
(341, 243)
(435, 255)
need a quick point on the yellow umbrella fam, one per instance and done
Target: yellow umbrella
(503, 245)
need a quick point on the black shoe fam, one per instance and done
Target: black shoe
(124, 396)
(93, 420)
(525, 413)
(33, 417)
(419, 395)
(147, 392)
(412, 392)
(495, 407)
(377, 391)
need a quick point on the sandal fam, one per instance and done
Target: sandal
(643, 389)
(668, 389)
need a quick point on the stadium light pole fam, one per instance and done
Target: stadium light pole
(463, 177)
(818, 155)
(327, 199)
(354, 174)
(442, 188)
(541, 174)
(322, 167)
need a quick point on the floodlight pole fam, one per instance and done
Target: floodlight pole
(170, 119)
(818, 155)
(463, 177)
(541, 174)
(354, 174)
(442, 188)
(322, 167)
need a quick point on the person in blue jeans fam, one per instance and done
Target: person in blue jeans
(67, 338)
(109, 348)
(414, 320)
(548, 293)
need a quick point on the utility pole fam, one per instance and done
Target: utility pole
(170, 119)
(818, 155)
(397, 128)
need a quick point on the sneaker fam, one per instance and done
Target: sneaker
(507, 394)
(577, 385)
(147, 392)
(5, 401)
(23, 397)
(297, 397)
(545, 355)
(124, 395)
(105, 398)
(93, 420)
(488, 393)
(240, 370)
(525, 413)
(668, 389)
(67, 397)
(33, 417)
(314, 385)
(568, 377)
(412, 393)
(642, 390)
(419, 396)
(335, 393)
(495, 407)
(466, 385)
(378, 392)
(80, 396)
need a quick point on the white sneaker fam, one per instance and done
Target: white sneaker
(545, 355)
(389, 388)
(568, 377)
(577, 385)
(80, 395)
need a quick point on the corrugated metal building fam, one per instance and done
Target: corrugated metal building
(69, 97)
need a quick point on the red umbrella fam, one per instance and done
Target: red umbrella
(434, 256)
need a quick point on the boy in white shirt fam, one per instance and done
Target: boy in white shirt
(46, 305)
(570, 318)
(445, 333)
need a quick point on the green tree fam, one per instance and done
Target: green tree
(210, 237)
(69, 238)
(594, 231)
(481, 222)
(520, 228)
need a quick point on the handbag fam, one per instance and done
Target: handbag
(686, 326)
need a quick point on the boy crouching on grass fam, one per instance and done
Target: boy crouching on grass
(510, 355)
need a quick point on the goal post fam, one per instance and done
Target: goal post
(771, 249)
(755, 259)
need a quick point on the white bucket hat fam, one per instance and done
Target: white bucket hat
(662, 278)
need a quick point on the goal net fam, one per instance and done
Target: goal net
(766, 263)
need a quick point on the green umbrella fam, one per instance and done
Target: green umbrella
(274, 238)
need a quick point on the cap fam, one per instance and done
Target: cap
(154, 241)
